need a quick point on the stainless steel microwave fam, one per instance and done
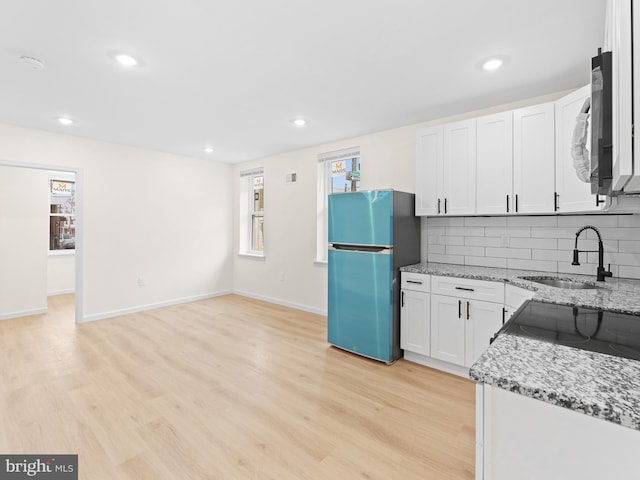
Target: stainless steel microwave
(601, 123)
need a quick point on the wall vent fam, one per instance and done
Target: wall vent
(291, 177)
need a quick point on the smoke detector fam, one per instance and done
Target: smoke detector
(33, 62)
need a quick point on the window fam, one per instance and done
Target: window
(62, 212)
(257, 214)
(338, 172)
(252, 212)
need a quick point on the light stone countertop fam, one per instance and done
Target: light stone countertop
(615, 294)
(596, 384)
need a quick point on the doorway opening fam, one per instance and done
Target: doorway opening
(44, 240)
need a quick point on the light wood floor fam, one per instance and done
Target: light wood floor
(224, 388)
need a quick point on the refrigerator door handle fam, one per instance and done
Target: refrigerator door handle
(381, 249)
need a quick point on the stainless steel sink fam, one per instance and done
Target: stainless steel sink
(561, 283)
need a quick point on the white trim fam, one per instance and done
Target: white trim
(70, 251)
(253, 172)
(437, 364)
(152, 306)
(277, 301)
(257, 256)
(23, 313)
(344, 154)
(321, 263)
(67, 291)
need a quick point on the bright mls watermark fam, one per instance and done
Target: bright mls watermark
(50, 467)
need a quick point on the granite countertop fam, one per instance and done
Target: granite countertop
(596, 384)
(615, 294)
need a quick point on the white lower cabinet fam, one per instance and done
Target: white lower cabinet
(415, 325)
(485, 319)
(461, 328)
(448, 322)
(414, 322)
(513, 298)
(447, 329)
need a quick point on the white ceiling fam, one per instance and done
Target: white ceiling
(233, 74)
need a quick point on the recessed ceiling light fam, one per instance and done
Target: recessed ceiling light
(492, 64)
(126, 60)
(33, 62)
(208, 150)
(66, 121)
(299, 122)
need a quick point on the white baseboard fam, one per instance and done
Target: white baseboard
(142, 308)
(61, 292)
(284, 303)
(437, 364)
(23, 313)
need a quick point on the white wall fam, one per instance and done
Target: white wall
(160, 216)
(288, 274)
(24, 236)
(61, 276)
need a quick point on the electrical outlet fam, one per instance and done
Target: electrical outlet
(505, 240)
(282, 276)
(141, 281)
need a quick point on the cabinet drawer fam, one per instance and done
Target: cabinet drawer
(468, 288)
(419, 282)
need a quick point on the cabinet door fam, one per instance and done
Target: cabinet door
(429, 174)
(483, 320)
(621, 30)
(533, 159)
(494, 159)
(460, 167)
(574, 195)
(447, 329)
(415, 335)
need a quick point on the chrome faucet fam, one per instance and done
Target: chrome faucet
(601, 272)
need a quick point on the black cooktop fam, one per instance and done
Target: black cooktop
(590, 329)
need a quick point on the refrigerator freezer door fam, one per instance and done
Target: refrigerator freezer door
(360, 303)
(361, 218)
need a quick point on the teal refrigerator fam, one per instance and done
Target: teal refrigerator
(371, 235)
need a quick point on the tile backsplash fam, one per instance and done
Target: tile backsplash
(543, 243)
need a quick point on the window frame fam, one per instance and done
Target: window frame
(325, 160)
(67, 177)
(248, 214)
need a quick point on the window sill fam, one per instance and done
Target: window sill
(55, 253)
(257, 256)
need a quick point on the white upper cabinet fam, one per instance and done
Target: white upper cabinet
(494, 163)
(446, 169)
(618, 28)
(460, 168)
(429, 170)
(574, 195)
(533, 159)
(511, 162)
